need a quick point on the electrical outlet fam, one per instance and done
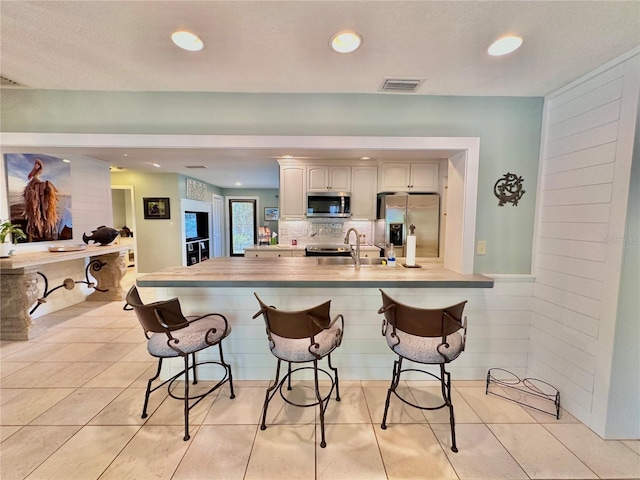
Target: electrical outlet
(482, 247)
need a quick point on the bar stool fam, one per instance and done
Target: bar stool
(428, 336)
(170, 334)
(301, 337)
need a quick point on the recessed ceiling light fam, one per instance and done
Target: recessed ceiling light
(504, 45)
(365, 158)
(345, 42)
(157, 165)
(187, 41)
(125, 154)
(287, 156)
(66, 160)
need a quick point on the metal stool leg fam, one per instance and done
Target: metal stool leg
(395, 380)
(445, 381)
(269, 395)
(323, 443)
(228, 368)
(186, 398)
(195, 373)
(148, 393)
(289, 377)
(335, 373)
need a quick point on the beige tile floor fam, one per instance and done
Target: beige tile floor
(71, 400)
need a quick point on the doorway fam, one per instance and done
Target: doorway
(243, 222)
(124, 220)
(217, 240)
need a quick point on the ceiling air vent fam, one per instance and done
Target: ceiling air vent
(7, 82)
(197, 166)
(401, 85)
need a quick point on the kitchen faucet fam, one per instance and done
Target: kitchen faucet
(356, 257)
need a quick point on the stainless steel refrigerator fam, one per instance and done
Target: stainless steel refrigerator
(398, 212)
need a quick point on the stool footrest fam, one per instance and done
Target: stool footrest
(394, 391)
(199, 396)
(323, 400)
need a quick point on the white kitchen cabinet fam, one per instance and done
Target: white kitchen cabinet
(364, 182)
(408, 177)
(328, 178)
(424, 177)
(293, 191)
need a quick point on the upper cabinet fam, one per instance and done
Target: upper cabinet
(328, 179)
(293, 191)
(364, 182)
(408, 177)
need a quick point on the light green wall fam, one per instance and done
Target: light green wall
(118, 206)
(158, 240)
(508, 128)
(182, 188)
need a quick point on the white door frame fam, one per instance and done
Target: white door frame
(227, 199)
(218, 236)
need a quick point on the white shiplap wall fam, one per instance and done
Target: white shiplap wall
(91, 197)
(588, 132)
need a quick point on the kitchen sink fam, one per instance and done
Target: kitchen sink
(366, 261)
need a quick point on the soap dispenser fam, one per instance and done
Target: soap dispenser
(391, 256)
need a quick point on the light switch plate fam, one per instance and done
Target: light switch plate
(482, 247)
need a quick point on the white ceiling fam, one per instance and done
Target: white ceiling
(282, 46)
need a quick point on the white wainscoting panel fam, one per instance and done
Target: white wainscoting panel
(498, 325)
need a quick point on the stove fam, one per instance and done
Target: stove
(328, 250)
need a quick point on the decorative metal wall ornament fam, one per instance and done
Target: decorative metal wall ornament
(196, 190)
(508, 189)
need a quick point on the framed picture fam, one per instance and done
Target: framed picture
(271, 213)
(156, 208)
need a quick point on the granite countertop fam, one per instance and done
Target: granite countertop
(33, 259)
(305, 272)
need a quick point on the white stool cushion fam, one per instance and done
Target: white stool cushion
(424, 349)
(191, 339)
(297, 349)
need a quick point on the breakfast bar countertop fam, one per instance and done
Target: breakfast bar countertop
(308, 273)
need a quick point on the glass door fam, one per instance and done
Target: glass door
(243, 221)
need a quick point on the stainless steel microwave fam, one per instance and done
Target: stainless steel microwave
(329, 204)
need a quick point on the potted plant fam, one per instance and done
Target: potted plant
(7, 229)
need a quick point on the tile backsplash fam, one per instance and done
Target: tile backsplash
(313, 232)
